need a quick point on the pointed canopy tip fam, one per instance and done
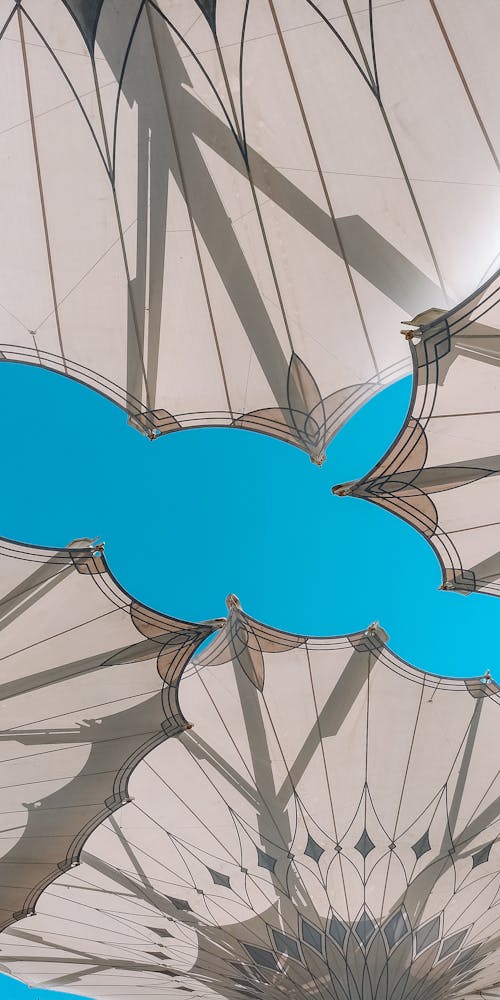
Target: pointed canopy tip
(233, 603)
(82, 543)
(464, 583)
(344, 489)
(318, 459)
(378, 633)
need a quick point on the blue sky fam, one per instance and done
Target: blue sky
(10, 989)
(197, 514)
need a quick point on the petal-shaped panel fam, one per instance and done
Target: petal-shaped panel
(333, 832)
(442, 473)
(89, 685)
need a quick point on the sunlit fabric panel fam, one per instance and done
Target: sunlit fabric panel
(223, 211)
(442, 473)
(328, 828)
(88, 686)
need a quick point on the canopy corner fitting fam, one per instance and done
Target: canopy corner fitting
(344, 489)
(233, 603)
(376, 632)
(414, 336)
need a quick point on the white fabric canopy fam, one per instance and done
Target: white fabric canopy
(441, 473)
(222, 214)
(328, 828)
(88, 687)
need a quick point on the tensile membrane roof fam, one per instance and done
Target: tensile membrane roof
(257, 214)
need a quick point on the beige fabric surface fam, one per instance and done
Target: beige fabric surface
(88, 687)
(442, 472)
(229, 228)
(222, 214)
(330, 832)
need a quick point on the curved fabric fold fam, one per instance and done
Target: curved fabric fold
(223, 211)
(83, 697)
(442, 472)
(332, 831)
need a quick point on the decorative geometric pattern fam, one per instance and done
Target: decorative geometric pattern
(219, 879)
(311, 936)
(365, 928)
(337, 931)
(312, 849)
(207, 877)
(265, 860)
(395, 928)
(422, 845)
(482, 856)
(364, 844)
(427, 935)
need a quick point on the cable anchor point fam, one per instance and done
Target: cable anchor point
(318, 459)
(412, 333)
(343, 489)
(378, 633)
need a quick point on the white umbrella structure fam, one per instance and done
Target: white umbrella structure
(226, 212)
(222, 212)
(329, 828)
